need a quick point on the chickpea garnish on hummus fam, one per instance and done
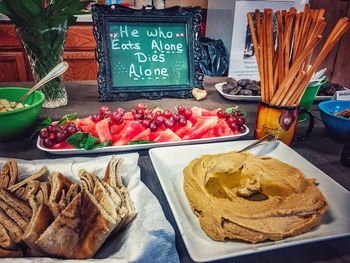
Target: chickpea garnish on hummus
(243, 197)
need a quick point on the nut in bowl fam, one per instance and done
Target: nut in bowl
(337, 125)
(14, 122)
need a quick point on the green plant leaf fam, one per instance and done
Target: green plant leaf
(46, 122)
(31, 13)
(20, 13)
(85, 140)
(4, 9)
(32, 7)
(89, 142)
(67, 117)
(103, 144)
(140, 142)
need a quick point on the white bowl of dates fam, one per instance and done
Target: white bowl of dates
(243, 89)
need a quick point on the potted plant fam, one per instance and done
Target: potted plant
(42, 26)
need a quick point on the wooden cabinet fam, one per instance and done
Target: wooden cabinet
(79, 53)
(12, 67)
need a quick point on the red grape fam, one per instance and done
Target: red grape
(120, 110)
(116, 117)
(72, 124)
(241, 129)
(51, 128)
(176, 117)
(152, 126)
(182, 122)
(63, 127)
(58, 129)
(48, 143)
(238, 114)
(52, 136)
(221, 114)
(145, 123)
(187, 113)
(61, 136)
(158, 120)
(71, 130)
(104, 109)
(147, 111)
(233, 126)
(44, 134)
(141, 106)
(240, 121)
(138, 116)
(232, 119)
(167, 114)
(96, 117)
(148, 116)
(158, 113)
(79, 129)
(133, 111)
(168, 123)
(141, 112)
(181, 109)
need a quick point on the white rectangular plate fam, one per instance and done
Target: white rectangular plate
(336, 222)
(137, 147)
(218, 87)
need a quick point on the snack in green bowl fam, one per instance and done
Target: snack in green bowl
(15, 122)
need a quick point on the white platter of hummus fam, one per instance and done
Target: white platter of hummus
(334, 222)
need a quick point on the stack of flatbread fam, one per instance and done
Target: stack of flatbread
(58, 217)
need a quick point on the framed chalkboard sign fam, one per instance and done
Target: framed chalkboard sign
(147, 52)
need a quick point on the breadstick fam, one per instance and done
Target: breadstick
(270, 49)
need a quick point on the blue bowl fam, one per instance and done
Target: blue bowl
(337, 126)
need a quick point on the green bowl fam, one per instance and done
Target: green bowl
(16, 122)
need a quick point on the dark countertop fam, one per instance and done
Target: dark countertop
(320, 149)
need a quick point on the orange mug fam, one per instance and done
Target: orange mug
(280, 120)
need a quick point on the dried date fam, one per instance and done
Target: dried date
(236, 90)
(244, 82)
(246, 92)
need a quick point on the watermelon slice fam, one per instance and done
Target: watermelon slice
(167, 136)
(62, 145)
(88, 125)
(200, 128)
(222, 129)
(128, 116)
(154, 135)
(142, 135)
(129, 131)
(102, 129)
(116, 128)
(182, 130)
(209, 134)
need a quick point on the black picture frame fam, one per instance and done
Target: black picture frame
(104, 14)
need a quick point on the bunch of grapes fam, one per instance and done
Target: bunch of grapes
(114, 117)
(54, 133)
(235, 120)
(154, 119)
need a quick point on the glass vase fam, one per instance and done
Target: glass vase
(44, 48)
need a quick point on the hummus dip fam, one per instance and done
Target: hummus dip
(241, 196)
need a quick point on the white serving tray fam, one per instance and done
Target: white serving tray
(335, 223)
(137, 147)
